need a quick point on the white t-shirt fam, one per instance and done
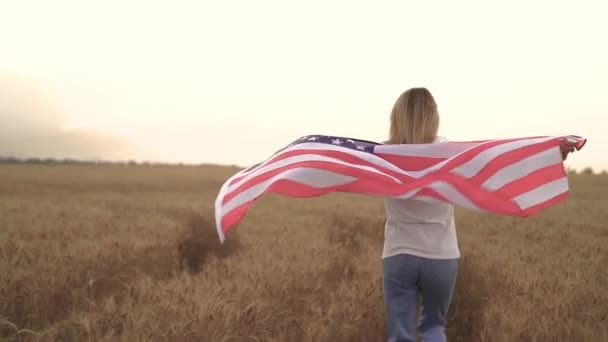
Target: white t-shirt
(416, 227)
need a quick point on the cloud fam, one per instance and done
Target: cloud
(32, 125)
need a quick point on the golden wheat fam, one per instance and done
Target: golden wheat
(124, 253)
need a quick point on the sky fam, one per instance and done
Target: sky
(233, 81)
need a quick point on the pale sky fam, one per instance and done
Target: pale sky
(233, 81)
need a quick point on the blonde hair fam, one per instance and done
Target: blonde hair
(414, 118)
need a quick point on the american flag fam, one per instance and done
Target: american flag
(517, 177)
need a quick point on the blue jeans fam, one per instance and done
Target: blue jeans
(406, 276)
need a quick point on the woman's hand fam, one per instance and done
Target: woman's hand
(566, 147)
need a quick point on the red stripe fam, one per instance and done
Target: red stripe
(284, 187)
(403, 161)
(533, 180)
(482, 198)
(482, 141)
(493, 202)
(299, 190)
(294, 189)
(581, 143)
(509, 158)
(344, 156)
(472, 152)
(346, 170)
(413, 163)
(232, 218)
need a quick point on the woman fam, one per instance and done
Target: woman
(420, 248)
(421, 253)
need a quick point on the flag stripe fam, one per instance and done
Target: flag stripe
(440, 150)
(287, 187)
(312, 178)
(357, 159)
(308, 147)
(542, 193)
(306, 162)
(518, 164)
(414, 163)
(481, 198)
(532, 180)
(474, 165)
(453, 195)
(533, 210)
(447, 164)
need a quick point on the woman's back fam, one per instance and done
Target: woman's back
(420, 228)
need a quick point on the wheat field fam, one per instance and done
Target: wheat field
(129, 253)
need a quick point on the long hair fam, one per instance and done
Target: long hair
(414, 118)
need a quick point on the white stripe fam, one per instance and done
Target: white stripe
(310, 146)
(473, 166)
(523, 168)
(542, 193)
(435, 150)
(446, 190)
(453, 195)
(328, 147)
(308, 176)
(369, 157)
(218, 207)
(302, 158)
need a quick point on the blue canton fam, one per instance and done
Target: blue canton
(355, 144)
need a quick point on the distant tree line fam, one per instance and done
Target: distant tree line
(585, 171)
(71, 161)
